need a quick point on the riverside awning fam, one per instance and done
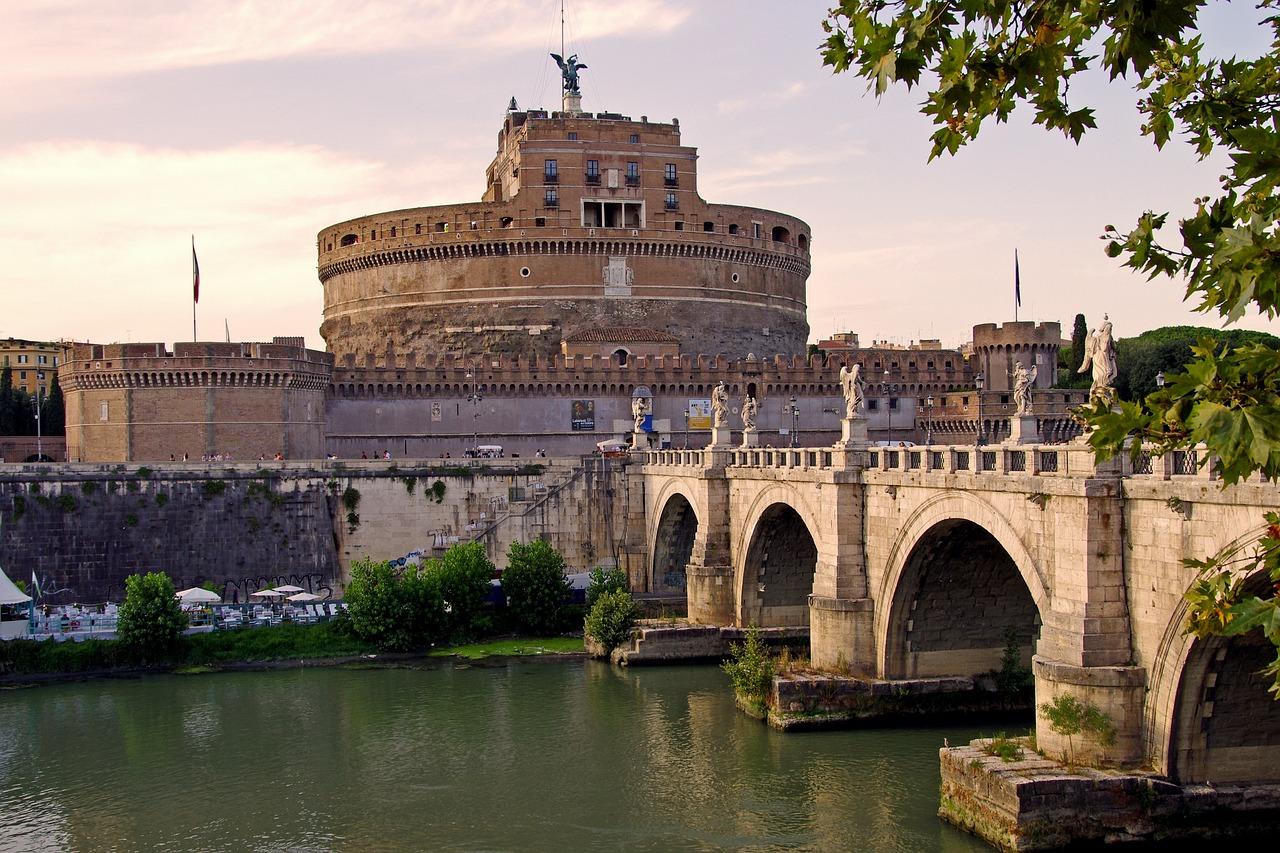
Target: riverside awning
(9, 593)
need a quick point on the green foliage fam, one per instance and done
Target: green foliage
(750, 669)
(605, 580)
(161, 499)
(276, 642)
(1003, 747)
(394, 612)
(410, 483)
(19, 506)
(986, 58)
(131, 520)
(150, 621)
(1012, 676)
(535, 586)
(1069, 717)
(815, 350)
(66, 502)
(611, 616)
(437, 490)
(351, 499)
(213, 488)
(133, 486)
(1079, 335)
(144, 472)
(1166, 350)
(462, 576)
(88, 487)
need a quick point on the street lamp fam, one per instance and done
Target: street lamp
(1160, 379)
(928, 423)
(795, 423)
(686, 429)
(979, 381)
(474, 399)
(39, 438)
(887, 390)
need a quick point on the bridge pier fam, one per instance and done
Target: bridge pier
(711, 593)
(842, 635)
(1117, 691)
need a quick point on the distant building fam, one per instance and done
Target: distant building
(33, 363)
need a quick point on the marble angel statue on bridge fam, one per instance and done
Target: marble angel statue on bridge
(749, 410)
(1023, 380)
(853, 388)
(1100, 358)
(719, 406)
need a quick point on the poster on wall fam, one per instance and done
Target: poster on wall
(699, 414)
(435, 412)
(582, 416)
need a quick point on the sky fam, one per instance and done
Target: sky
(128, 127)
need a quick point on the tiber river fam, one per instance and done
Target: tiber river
(514, 756)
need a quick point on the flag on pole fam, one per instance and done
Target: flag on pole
(1017, 281)
(35, 586)
(195, 272)
(227, 325)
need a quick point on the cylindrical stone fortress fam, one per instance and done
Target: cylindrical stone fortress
(588, 222)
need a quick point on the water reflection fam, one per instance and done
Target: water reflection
(527, 756)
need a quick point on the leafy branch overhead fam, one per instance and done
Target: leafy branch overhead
(983, 59)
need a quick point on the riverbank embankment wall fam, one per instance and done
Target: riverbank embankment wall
(83, 528)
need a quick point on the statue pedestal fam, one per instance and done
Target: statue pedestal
(750, 438)
(853, 433)
(571, 103)
(721, 436)
(1022, 430)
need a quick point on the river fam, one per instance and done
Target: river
(523, 755)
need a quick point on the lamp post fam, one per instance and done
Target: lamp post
(795, 423)
(887, 390)
(1160, 379)
(39, 436)
(474, 398)
(979, 381)
(928, 423)
(686, 429)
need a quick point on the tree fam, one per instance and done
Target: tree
(610, 619)
(150, 622)
(8, 402)
(54, 413)
(1079, 334)
(535, 586)
(986, 58)
(462, 577)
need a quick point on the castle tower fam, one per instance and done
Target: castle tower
(999, 347)
(588, 221)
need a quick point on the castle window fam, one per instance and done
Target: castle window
(1004, 399)
(393, 231)
(328, 247)
(872, 405)
(669, 176)
(929, 364)
(947, 365)
(539, 222)
(373, 235)
(550, 172)
(441, 227)
(708, 227)
(593, 171)
(505, 221)
(22, 374)
(103, 411)
(633, 174)
(417, 229)
(780, 234)
(635, 139)
(22, 359)
(893, 404)
(734, 278)
(802, 241)
(524, 272)
(348, 240)
(756, 229)
(551, 198)
(672, 203)
(679, 226)
(620, 356)
(42, 359)
(733, 229)
(573, 136)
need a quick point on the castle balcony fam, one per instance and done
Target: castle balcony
(633, 180)
(593, 180)
(671, 182)
(551, 178)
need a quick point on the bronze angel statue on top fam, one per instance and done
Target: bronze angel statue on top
(569, 72)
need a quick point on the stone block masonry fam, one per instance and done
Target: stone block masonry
(84, 528)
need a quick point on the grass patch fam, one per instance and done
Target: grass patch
(275, 642)
(515, 647)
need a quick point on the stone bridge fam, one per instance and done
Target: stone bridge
(922, 561)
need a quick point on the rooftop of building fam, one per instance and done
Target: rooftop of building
(621, 335)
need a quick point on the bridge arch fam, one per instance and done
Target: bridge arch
(777, 559)
(958, 580)
(672, 546)
(1208, 714)
(675, 509)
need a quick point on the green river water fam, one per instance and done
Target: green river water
(534, 755)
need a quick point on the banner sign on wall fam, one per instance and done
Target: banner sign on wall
(699, 414)
(435, 412)
(583, 415)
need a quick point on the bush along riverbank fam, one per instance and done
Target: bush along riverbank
(436, 609)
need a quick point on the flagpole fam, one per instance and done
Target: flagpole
(195, 288)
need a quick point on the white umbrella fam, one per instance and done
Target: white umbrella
(197, 595)
(305, 596)
(267, 593)
(289, 589)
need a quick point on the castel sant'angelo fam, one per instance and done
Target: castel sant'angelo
(590, 270)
